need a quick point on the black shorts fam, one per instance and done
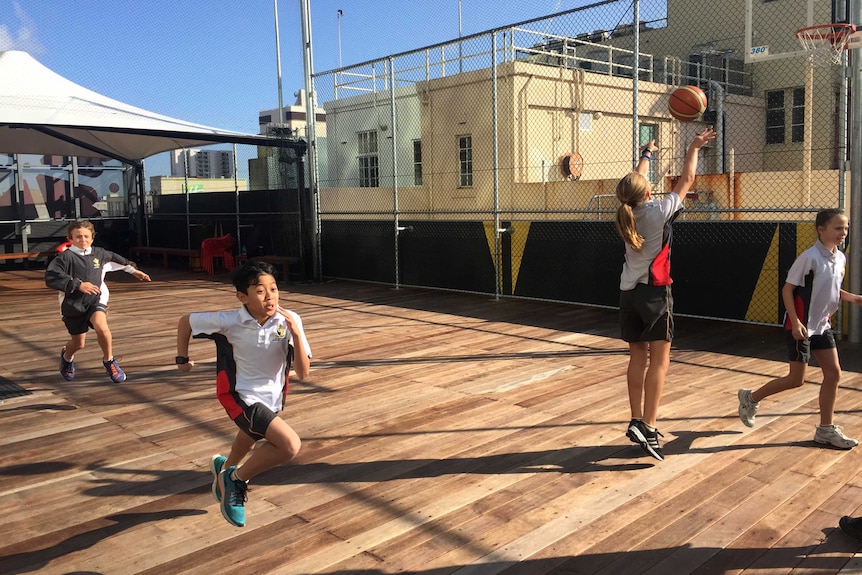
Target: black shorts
(646, 313)
(800, 349)
(78, 324)
(255, 419)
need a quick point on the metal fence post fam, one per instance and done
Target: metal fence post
(311, 130)
(186, 190)
(635, 79)
(496, 168)
(393, 130)
(855, 327)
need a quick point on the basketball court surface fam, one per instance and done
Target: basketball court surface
(442, 433)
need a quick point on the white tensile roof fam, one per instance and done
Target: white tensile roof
(42, 112)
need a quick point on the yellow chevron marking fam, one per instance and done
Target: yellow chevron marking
(762, 306)
(490, 232)
(806, 235)
(764, 300)
(519, 241)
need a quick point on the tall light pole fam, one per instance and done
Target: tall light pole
(460, 48)
(340, 14)
(278, 64)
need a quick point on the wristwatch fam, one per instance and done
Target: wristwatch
(182, 359)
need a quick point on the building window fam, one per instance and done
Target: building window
(797, 116)
(368, 166)
(465, 154)
(417, 162)
(776, 115)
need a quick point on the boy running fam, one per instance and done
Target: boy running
(79, 274)
(255, 346)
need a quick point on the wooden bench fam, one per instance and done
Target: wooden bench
(26, 255)
(284, 262)
(194, 256)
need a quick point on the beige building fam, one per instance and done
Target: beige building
(560, 96)
(715, 49)
(167, 185)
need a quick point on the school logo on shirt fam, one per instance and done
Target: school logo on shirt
(95, 263)
(280, 331)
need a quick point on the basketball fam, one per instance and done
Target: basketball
(687, 103)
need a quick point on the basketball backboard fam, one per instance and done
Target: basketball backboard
(771, 25)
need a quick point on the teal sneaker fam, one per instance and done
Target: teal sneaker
(216, 463)
(67, 367)
(234, 495)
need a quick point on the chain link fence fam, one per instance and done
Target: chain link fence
(488, 163)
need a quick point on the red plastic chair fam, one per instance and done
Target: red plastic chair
(212, 248)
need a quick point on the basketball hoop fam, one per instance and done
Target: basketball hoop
(825, 43)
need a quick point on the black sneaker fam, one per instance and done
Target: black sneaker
(67, 367)
(648, 440)
(851, 526)
(629, 433)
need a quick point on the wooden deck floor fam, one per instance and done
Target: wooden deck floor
(442, 433)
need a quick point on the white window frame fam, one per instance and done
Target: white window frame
(417, 162)
(465, 161)
(369, 163)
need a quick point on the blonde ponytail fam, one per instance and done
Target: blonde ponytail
(631, 191)
(626, 228)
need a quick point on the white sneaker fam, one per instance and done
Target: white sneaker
(747, 407)
(834, 435)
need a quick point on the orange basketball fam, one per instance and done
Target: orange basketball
(687, 103)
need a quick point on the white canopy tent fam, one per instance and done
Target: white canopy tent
(42, 112)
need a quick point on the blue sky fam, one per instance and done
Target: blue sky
(213, 62)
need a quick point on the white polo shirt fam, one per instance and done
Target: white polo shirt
(819, 274)
(651, 219)
(259, 351)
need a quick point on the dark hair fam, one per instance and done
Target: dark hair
(823, 216)
(80, 224)
(248, 274)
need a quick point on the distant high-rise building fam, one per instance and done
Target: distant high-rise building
(203, 163)
(293, 120)
(268, 171)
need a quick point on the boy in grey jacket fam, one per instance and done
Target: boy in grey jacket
(79, 275)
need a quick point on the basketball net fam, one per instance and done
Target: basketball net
(825, 43)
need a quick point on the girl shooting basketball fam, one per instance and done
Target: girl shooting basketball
(646, 303)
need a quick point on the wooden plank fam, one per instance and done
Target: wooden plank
(25, 255)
